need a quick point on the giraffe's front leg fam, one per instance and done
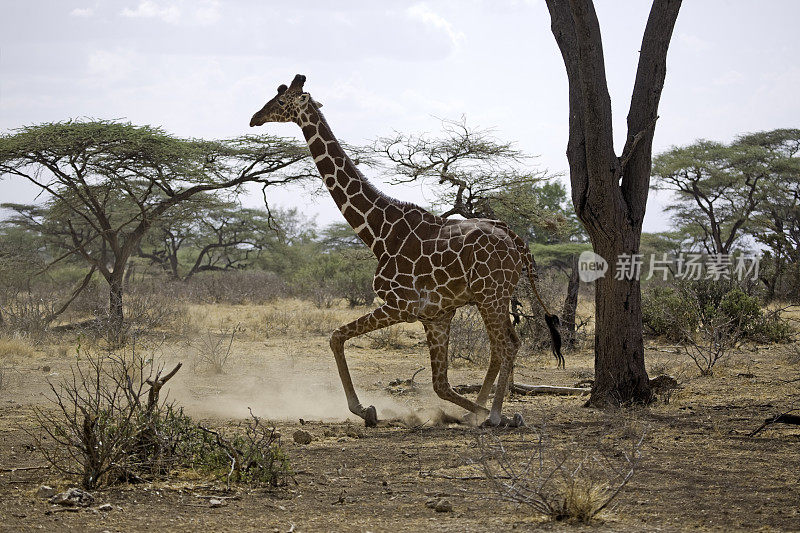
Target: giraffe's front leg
(379, 318)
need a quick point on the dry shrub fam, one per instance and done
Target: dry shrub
(390, 338)
(109, 423)
(251, 453)
(155, 307)
(468, 338)
(569, 485)
(278, 322)
(318, 322)
(28, 311)
(716, 337)
(236, 287)
(212, 349)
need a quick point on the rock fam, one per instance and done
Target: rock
(213, 502)
(431, 503)
(45, 491)
(302, 436)
(73, 498)
(106, 507)
(46, 369)
(443, 506)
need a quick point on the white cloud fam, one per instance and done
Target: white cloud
(150, 9)
(82, 12)
(203, 13)
(432, 19)
(208, 13)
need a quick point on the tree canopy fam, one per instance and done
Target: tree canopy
(108, 182)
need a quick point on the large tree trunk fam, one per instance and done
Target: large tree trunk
(620, 375)
(610, 192)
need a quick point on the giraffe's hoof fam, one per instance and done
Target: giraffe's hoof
(370, 416)
(497, 421)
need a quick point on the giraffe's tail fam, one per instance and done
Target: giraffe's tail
(550, 319)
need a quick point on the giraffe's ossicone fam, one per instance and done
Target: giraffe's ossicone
(428, 266)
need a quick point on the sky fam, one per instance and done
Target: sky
(201, 68)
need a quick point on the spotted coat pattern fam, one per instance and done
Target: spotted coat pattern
(428, 266)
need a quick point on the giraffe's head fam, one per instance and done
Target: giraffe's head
(289, 105)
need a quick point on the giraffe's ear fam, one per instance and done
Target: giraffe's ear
(316, 103)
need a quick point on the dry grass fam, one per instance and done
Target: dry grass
(281, 318)
(15, 348)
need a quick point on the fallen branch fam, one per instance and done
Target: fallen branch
(24, 468)
(529, 390)
(520, 388)
(783, 418)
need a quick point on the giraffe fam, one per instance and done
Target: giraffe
(428, 266)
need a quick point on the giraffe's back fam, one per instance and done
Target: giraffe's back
(440, 267)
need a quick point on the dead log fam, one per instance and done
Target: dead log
(529, 390)
(519, 388)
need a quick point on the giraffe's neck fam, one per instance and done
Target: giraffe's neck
(358, 200)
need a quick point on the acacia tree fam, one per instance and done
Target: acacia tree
(475, 175)
(208, 234)
(609, 192)
(777, 221)
(717, 189)
(109, 181)
(724, 192)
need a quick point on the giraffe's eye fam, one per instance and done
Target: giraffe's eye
(281, 102)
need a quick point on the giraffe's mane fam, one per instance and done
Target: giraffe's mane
(366, 182)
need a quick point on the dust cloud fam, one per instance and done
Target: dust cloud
(278, 394)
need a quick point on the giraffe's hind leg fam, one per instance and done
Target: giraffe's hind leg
(505, 344)
(381, 317)
(491, 375)
(438, 335)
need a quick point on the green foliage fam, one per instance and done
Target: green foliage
(666, 312)
(249, 453)
(713, 197)
(547, 255)
(330, 276)
(676, 311)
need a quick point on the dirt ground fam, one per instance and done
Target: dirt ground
(699, 469)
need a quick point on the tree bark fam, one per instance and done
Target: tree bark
(116, 317)
(609, 192)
